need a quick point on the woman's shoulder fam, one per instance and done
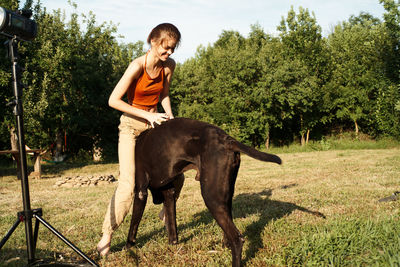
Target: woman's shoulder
(170, 64)
(136, 66)
(139, 61)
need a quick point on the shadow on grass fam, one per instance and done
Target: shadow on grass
(18, 257)
(244, 205)
(9, 169)
(11, 256)
(48, 169)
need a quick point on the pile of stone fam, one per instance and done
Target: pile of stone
(81, 181)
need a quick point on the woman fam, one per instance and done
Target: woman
(146, 82)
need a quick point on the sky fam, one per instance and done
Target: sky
(202, 21)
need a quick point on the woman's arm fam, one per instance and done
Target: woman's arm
(164, 97)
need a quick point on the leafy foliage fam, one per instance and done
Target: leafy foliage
(260, 88)
(70, 74)
(281, 88)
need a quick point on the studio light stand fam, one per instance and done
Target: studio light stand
(28, 214)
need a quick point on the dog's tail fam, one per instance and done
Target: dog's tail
(254, 153)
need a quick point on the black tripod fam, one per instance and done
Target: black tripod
(27, 214)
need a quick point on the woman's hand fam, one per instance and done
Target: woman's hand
(158, 118)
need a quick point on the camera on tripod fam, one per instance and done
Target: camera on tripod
(17, 24)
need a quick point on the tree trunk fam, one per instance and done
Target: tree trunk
(13, 139)
(303, 141)
(267, 142)
(308, 136)
(59, 147)
(97, 153)
(356, 126)
(15, 146)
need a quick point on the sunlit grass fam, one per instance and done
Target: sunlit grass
(272, 208)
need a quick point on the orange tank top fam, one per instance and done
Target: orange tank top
(144, 93)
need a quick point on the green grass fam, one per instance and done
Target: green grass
(347, 242)
(273, 208)
(339, 143)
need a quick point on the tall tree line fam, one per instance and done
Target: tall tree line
(261, 88)
(299, 84)
(70, 69)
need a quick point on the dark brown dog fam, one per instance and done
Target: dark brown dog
(168, 150)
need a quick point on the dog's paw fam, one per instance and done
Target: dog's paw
(130, 244)
(173, 242)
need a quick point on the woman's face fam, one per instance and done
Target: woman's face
(165, 48)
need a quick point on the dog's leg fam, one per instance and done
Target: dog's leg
(139, 204)
(217, 188)
(178, 184)
(232, 179)
(231, 233)
(170, 215)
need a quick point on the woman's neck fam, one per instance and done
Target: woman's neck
(153, 62)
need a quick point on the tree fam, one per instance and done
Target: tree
(73, 73)
(303, 67)
(389, 97)
(392, 25)
(70, 74)
(8, 120)
(358, 70)
(262, 88)
(220, 86)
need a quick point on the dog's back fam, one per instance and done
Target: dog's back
(194, 137)
(181, 143)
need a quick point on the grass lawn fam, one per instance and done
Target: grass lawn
(273, 208)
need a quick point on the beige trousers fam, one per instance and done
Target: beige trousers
(129, 128)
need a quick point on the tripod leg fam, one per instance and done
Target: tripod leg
(35, 234)
(12, 229)
(65, 240)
